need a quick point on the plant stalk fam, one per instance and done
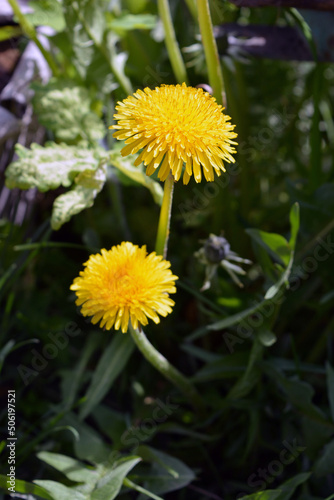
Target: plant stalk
(161, 364)
(164, 219)
(171, 43)
(211, 52)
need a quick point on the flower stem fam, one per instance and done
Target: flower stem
(165, 368)
(30, 31)
(171, 43)
(164, 220)
(211, 52)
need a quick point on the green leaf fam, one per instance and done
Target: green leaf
(263, 495)
(25, 487)
(167, 473)
(294, 222)
(73, 469)
(140, 489)
(229, 366)
(85, 27)
(112, 423)
(275, 244)
(89, 445)
(133, 22)
(79, 198)
(236, 318)
(325, 464)
(46, 13)
(50, 167)
(58, 491)
(288, 488)
(251, 376)
(65, 108)
(110, 485)
(136, 174)
(8, 32)
(330, 388)
(109, 367)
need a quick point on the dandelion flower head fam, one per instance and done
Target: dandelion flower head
(176, 126)
(125, 284)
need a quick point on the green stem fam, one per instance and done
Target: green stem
(210, 49)
(120, 77)
(171, 43)
(30, 31)
(165, 368)
(164, 220)
(192, 8)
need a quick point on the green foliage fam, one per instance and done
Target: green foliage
(65, 108)
(94, 420)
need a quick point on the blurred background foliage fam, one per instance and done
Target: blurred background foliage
(261, 355)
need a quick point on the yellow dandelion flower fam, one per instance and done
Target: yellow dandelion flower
(124, 283)
(176, 126)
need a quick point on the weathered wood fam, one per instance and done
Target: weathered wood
(300, 4)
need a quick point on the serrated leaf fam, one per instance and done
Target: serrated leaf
(79, 198)
(109, 367)
(50, 167)
(86, 25)
(25, 487)
(46, 13)
(58, 491)
(167, 473)
(125, 165)
(64, 108)
(110, 485)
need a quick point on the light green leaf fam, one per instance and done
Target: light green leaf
(25, 487)
(140, 489)
(294, 222)
(330, 388)
(73, 469)
(85, 27)
(325, 464)
(133, 22)
(50, 167)
(8, 32)
(46, 13)
(167, 473)
(79, 198)
(109, 367)
(236, 318)
(136, 174)
(275, 244)
(110, 485)
(64, 108)
(58, 491)
(288, 487)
